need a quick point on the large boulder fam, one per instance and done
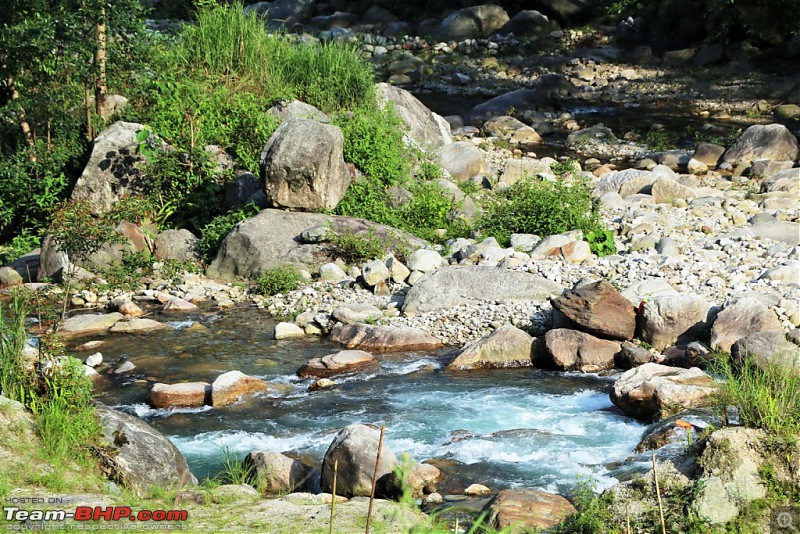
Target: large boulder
(176, 245)
(519, 101)
(599, 309)
(527, 509)
(275, 472)
(112, 171)
(571, 350)
(767, 348)
(273, 238)
(657, 391)
(425, 127)
(507, 346)
(772, 141)
(88, 324)
(234, 386)
(183, 395)
(474, 22)
(138, 455)
(462, 160)
(355, 448)
(674, 320)
(742, 317)
(383, 338)
(787, 180)
(344, 361)
(303, 167)
(455, 285)
(525, 22)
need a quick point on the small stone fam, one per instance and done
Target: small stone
(288, 331)
(94, 360)
(477, 490)
(126, 367)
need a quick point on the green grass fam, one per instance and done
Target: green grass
(767, 396)
(278, 280)
(356, 248)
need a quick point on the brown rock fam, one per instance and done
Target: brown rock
(570, 350)
(383, 338)
(178, 305)
(129, 308)
(339, 362)
(276, 472)
(742, 317)
(527, 509)
(599, 309)
(232, 386)
(184, 395)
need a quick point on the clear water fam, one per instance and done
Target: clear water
(522, 427)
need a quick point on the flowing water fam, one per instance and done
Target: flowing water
(504, 428)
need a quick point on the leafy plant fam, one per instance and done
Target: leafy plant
(278, 280)
(542, 207)
(214, 232)
(76, 231)
(356, 247)
(593, 513)
(234, 470)
(128, 274)
(601, 242)
(469, 187)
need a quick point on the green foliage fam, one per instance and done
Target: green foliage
(469, 187)
(429, 210)
(19, 246)
(356, 247)
(276, 280)
(660, 141)
(212, 234)
(234, 470)
(534, 206)
(593, 516)
(367, 199)
(767, 396)
(564, 167)
(129, 273)
(373, 142)
(54, 387)
(601, 242)
(78, 232)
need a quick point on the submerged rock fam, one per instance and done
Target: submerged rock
(184, 395)
(344, 361)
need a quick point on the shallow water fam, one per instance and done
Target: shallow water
(520, 427)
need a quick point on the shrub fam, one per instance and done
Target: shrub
(535, 206)
(214, 232)
(429, 210)
(356, 248)
(78, 232)
(373, 142)
(601, 242)
(367, 199)
(278, 280)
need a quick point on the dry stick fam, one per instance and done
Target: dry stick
(374, 479)
(658, 494)
(628, 518)
(333, 499)
(455, 528)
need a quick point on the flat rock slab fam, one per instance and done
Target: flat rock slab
(183, 395)
(339, 362)
(507, 346)
(136, 326)
(178, 305)
(383, 338)
(455, 285)
(657, 391)
(92, 323)
(598, 309)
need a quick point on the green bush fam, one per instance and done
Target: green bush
(76, 231)
(214, 232)
(373, 142)
(534, 206)
(601, 242)
(278, 280)
(356, 248)
(429, 210)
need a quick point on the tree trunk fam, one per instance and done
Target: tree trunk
(87, 102)
(100, 82)
(22, 119)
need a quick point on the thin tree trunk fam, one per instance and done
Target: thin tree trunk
(100, 54)
(87, 103)
(22, 119)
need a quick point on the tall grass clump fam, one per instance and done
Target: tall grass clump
(766, 394)
(16, 378)
(538, 206)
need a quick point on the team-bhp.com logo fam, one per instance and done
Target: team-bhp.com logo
(94, 513)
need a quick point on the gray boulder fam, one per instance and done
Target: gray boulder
(139, 456)
(520, 100)
(303, 167)
(773, 141)
(674, 320)
(425, 127)
(462, 160)
(271, 239)
(275, 472)
(176, 245)
(570, 350)
(709, 154)
(526, 22)
(474, 22)
(112, 171)
(787, 180)
(740, 318)
(666, 191)
(356, 312)
(657, 391)
(284, 111)
(632, 180)
(355, 448)
(766, 348)
(455, 285)
(507, 346)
